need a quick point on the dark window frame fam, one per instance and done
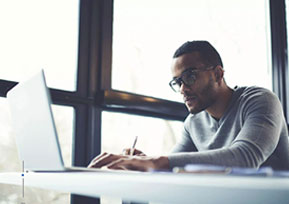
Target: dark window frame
(279, 43)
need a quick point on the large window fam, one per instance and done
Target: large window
(40, 34)
(146, 33)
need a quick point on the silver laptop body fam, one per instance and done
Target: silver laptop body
(34, 127)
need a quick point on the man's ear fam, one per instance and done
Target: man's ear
(219, 73)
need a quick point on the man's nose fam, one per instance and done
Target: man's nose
(184, 88)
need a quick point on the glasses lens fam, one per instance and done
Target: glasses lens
(189, 78)
(175, 85)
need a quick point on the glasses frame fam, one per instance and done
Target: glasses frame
(179, 80)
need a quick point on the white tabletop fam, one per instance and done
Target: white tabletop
(160, 187)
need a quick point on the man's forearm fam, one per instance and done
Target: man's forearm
(161, 162)
(241, 155)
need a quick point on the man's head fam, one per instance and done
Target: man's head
(197, 71)
(207, 52)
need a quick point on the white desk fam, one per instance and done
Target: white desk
(161, 187)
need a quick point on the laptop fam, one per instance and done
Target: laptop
(34, 127)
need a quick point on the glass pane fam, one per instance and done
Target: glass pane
(146, 33)
(64, 118)
(155, 136)
(40, 34)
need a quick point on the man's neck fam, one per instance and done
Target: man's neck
(218, 109)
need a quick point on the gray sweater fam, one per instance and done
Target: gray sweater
(251, 133)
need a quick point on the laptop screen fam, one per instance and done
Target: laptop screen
(33, 125)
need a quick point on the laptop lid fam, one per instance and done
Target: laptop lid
(33, 125)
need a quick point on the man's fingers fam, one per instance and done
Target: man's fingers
(119, 164)
(138, 153)
(126, 151)
(128, 164)
(119, 168)
(100, 156)
(103, 160)
(130, 151)
(95, 159)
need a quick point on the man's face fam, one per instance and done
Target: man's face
(203, 93)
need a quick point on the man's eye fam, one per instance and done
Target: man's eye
(189, 77)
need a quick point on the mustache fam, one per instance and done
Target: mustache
(188, 97)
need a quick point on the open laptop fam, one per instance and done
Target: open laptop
(34, 127)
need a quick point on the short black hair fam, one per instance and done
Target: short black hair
(207, 52)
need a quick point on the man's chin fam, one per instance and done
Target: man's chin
(196, 109)
(193, 110)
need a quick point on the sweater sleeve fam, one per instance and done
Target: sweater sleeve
(254, 143)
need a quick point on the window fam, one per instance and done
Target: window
(64, 117)
(64, 121)
(155, 136)
(146, 33)
(40, 34)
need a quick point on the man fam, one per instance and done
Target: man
(241, 127)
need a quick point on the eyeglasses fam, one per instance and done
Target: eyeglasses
(188, 77)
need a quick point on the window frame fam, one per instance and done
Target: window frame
(280, 71)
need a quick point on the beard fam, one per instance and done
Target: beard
(202, 99)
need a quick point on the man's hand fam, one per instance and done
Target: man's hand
(137, 163)
(130, 151)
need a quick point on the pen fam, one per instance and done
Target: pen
(133, 146)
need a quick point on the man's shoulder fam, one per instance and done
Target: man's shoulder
(254, 92)
(255, 98)
(252, 89)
